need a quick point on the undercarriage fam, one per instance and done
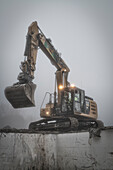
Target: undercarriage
(65, 124)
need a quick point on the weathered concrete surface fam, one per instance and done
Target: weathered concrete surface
(27, 151)
(56, 151)
(77, 151)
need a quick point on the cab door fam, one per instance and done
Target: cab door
(79, 100)
(67, 102)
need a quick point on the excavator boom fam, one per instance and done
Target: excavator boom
(21, 94)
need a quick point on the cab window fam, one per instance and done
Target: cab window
(77, 96)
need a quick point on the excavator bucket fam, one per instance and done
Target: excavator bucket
(21, 95)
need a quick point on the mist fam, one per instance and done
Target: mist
(81, 30)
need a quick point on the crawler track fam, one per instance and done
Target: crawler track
(64, 124)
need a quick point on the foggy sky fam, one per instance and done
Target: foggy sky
(82, 30)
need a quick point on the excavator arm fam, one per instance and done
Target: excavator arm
(21, 94)
(31, 49)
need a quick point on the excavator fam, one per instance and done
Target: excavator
(68, 107)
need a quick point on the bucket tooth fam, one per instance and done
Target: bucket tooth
(21, 95)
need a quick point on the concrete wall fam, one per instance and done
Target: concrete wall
(56, 151)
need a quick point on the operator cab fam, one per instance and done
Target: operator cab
(74, 100)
